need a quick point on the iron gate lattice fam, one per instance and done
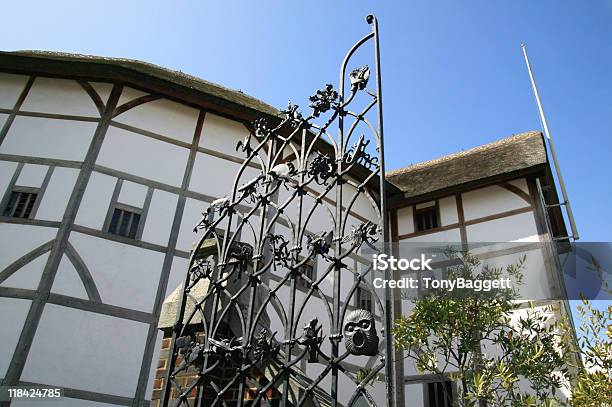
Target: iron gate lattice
(248, 273)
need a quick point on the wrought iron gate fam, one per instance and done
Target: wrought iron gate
(249, 281)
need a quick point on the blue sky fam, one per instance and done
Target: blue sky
(453, 72)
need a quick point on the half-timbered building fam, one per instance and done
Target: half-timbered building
(106, 165)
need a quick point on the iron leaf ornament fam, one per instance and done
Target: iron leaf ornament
(265, 347)
(323, 100)
(359, 78)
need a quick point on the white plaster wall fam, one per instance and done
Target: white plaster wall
(48, 138)
(221, 134)
(55, 198)
(178, 271)
(7, 169)
(362, 204)
(101, 344)
(139, 155)
(67, 280)
(162, 116)
(59, 96)
(128, 94)
(132, 194)
(215, 176)
(413, 395)
(448, 211)
(520, 183)
(159, 219)
(489, 201)
(537, 283)
(28, 276)
(445, 236)
(103, 89)
(18, 240)
(405, 220)
(32, 175)
(125, 275)
(96, 201)
(508, 229)
(12, 316)
(191, 216)
(11, 87)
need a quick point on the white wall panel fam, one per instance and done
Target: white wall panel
(128, 94)
(49, 138)
(96, 201)
(32, 175)
(7, 169)
(103, 89)
(489, 201)
(125, 275)
(448, 211)
(191, 216)
(132, 194)
(215, 176)
(58, 192)
(221, 134)
(136, 154)
(178, 270)
(67, 280)
(110, 347)
(445, 236)
(508, 229)
(28, 276)
(163, 117)
(18, 240)
(413, 395)
(405, 220)
(159, 219)
(11, 87)
(520, 183)
(59, 96)
(12, 316)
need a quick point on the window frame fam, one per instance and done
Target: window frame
(415, 212)
(431, 400)
(16, 189)
(133, 210)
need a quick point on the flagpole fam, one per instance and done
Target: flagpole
(566, 202)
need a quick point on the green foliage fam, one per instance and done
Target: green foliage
(487, 343)
(367, 376)
(593, 386)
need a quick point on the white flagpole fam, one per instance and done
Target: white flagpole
(566, 202)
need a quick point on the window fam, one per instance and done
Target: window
(426, 218)
(20, 204)
(124, 222)
(440, 394)
(364, 299)
(306, 270)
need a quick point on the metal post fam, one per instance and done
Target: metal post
(566, 202)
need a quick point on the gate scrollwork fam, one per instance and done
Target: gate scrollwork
(252, 313)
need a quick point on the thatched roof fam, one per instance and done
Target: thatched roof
(514, 154)
(97, 67)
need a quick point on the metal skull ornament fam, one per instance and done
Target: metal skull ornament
(360, 336)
